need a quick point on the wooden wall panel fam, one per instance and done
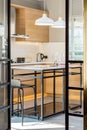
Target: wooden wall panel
(20, 22)
(25, 24)
(37, 33)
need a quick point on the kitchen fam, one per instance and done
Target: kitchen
(34, 46)
(30, 50)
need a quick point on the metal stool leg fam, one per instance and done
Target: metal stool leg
(11, 101)
(12, 106)
(35, 100)
(22, 106)
(18, 100)
(22, 103)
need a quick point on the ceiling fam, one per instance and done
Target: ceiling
(38, 4)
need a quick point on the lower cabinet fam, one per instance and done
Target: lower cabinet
(74, 80)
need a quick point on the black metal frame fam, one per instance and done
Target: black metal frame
(67, 69)
(76, 87)
(9, 68)
(66, 64)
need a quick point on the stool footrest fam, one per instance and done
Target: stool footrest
(27, 85)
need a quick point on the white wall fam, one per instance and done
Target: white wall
(56, 9)
(54, 51)
(24, 49)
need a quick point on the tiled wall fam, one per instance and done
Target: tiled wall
(24, 49)
(54, 50)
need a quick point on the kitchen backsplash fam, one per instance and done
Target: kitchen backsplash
(24, 49)
(54, 50)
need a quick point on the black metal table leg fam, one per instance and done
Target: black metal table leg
(54, 91)
(81, 86)
(35, 94)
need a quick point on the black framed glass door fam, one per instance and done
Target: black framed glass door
(4, 65)
(74, 86)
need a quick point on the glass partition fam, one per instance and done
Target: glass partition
(4, 66)
(74, 63)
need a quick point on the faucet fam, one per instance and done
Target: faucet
(40, 57)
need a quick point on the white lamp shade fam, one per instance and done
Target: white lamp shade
(60, 23)
(44, 21)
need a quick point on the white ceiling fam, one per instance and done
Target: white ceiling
(38, 4)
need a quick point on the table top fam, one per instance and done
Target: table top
(37, 68)
(41, 67)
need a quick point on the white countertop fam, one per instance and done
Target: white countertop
(39, 66)
(36, 67)
(31, 63)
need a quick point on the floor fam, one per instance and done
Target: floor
(52, 123)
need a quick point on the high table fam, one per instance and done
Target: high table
(41, 69)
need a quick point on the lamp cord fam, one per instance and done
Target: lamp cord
(44, 6)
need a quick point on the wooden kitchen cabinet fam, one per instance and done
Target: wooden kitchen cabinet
(74, 81)
(25, 24)
(49, 85)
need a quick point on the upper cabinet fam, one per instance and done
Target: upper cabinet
(25, 24)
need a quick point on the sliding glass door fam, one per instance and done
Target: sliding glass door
(4, 65)
(74, 63)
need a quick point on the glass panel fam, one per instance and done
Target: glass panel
(48, 95)
(59, 95)
(75, 31)
(4, 120)
(75, 102)
(3, 72)
(3, 29)
(3, 47)
(3, 65)
(3, 96)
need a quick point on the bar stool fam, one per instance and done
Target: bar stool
(20, 98)
(17, 84)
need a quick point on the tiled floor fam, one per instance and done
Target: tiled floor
(52, 123)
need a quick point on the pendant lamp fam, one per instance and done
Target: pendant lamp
(60, 23)
(44, 20)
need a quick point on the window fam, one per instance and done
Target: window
(76, 39)
(76, 30)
